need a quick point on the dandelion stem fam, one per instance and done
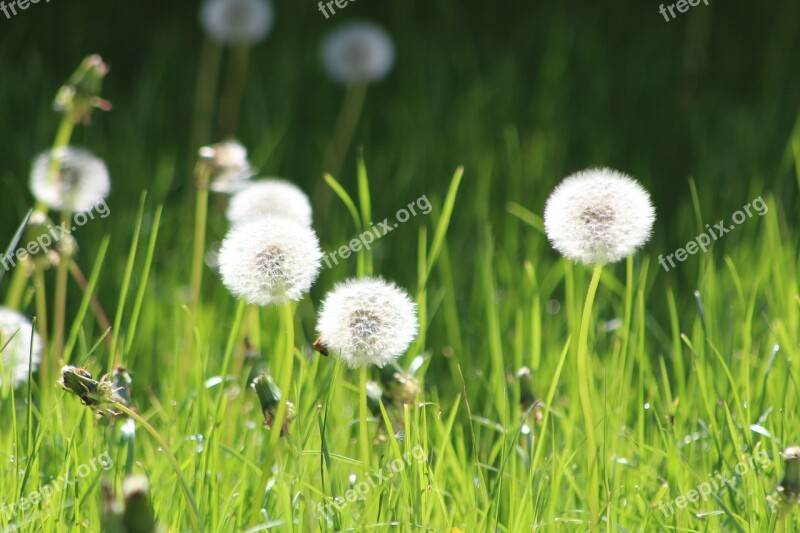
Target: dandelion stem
(363, 435)
(284, 384)
(59, 313)
(200, 217)
(206, 90)
(345, 127)
(585, 389)
(194, 515)
(41, 325)
(234, 88)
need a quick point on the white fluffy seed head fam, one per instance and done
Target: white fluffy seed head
(269, 197)
(15, 344)
(270, 260)
(237, 21)
(367, 322)
(598, 216)
(358, 52)
(82, 182)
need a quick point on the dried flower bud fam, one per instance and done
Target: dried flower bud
(270, 397)
(81, 93)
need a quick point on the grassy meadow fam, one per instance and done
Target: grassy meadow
(689, 373)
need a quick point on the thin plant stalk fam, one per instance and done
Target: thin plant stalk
(363, 414)
(585, 389)
(200, 218)
(345, 127)
(41, 325)
(100, 315)
(194, 515)
(59, 313)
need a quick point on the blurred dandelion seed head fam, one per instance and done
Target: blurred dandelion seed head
(81, 183)
(598, 216)
(237, 21)
(367, 322)
(270, 260)
(358, 52)
(269, 197)
(15, 343)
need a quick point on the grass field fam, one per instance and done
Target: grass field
(691, 373)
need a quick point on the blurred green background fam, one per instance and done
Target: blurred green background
(520, 93)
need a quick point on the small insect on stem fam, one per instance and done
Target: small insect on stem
(320, 347)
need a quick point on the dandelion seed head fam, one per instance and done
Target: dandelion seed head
(237, 21)
(367, 322)
(598, 216)
(16, 337)
(81, 183)
(272, 259)
(358, 52)
(269, 197)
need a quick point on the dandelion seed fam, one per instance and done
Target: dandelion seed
(367, 321)
(358, 52)
(237, 21)
(270, 260)
(229, 168)
(16, 337)
(269, 197)
(81, 183)
(598, 216)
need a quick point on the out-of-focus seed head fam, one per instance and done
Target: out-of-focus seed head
(274, 197)
(20, 347)
(358, 52)
(81, 183)
(245, 22)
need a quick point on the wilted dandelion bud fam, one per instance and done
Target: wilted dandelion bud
(367, 322)
(269, 395)
(358, 52)
(92, 393)
(81, 183)
(374, 398)
(237, 21)
(269, 197)
(228, 165)
(135, 513)
(787, 493)
(401, 387)
(81, 93)
(598, 216)
(270, 260)
(526, 396)
(16, 336)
